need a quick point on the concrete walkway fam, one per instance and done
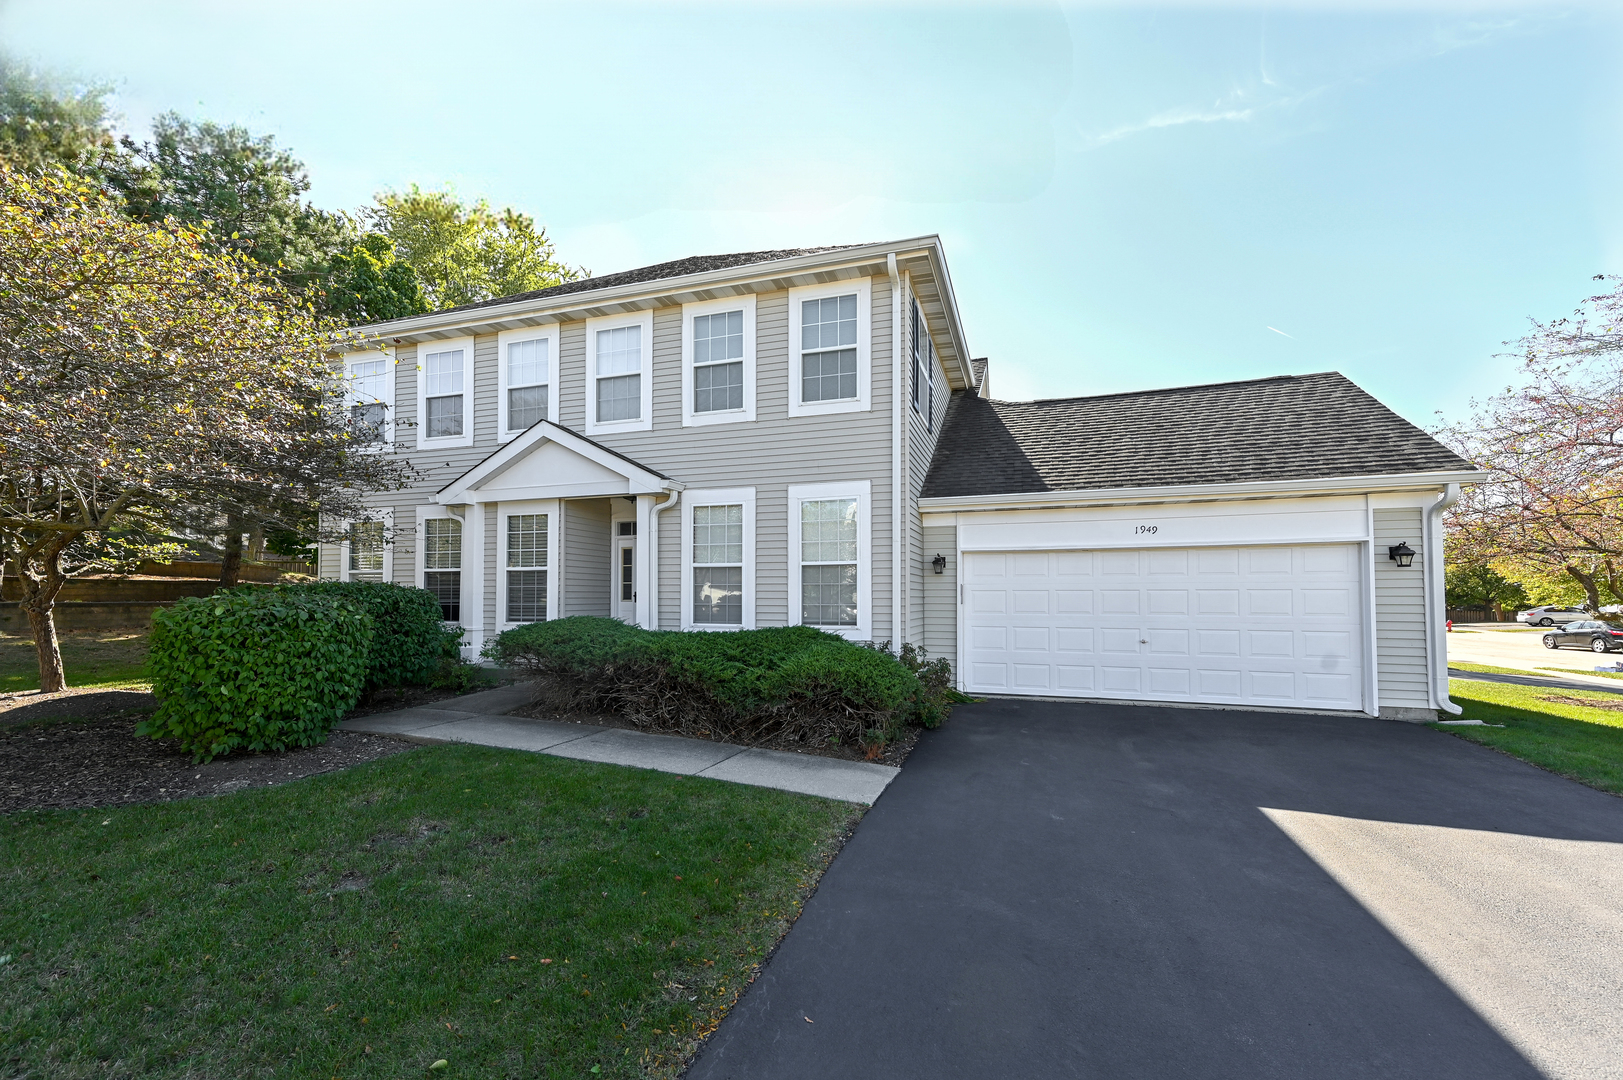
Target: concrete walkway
(479, 719)
(1552, 682)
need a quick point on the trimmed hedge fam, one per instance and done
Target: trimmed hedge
(742, 685)
(256, 668)
(410, 644)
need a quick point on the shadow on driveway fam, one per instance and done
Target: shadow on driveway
(1059, 890)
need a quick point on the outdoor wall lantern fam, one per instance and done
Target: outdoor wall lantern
(1403, 554)
(939, 563)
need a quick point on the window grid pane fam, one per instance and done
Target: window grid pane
(828, 323)
(829, 376)
(443, 371)
(718, 387)
(527, 362)
(446, 585)
(444, 416)
(526, 596)
(718, 595)
(526, 407)
(527, 540)
(718, 337)
(366, 548)
(619, 351)
(619, 398)
(914, 349)
(828, 595)
(368, 379)
(628, 574)
(718, 535)
(828, 531)
(442, 544)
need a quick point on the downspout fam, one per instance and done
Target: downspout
(1436, 601)
(898, 485)
(653, 554)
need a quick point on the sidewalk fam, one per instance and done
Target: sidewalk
(479, 719)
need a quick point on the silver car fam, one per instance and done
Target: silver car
(1549, 615)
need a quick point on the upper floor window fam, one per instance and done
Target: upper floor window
(618, 351)
(829, 344)
(527, 370)
(444, 386)
(369, 395)
(914, 349)
(718, 361)
(929, 382)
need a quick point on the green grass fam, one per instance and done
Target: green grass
(1579, 742)
(1489, 669)
(368, 923)
(1581, 671)
(105, 658)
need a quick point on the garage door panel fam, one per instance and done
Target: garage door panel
(1275, 626)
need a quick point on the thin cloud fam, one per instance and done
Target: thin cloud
(1281, 333)
(1174, 118)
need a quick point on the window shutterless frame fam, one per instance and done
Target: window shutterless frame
(804, 571)
(369, 395)
(708, 366)
(527, 378)
(619, 384)
(373, 558)
(438, 388)
(519, 565)
(450, 559)
(708, 500)
(821, 352)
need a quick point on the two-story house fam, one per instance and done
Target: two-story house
(803, 436)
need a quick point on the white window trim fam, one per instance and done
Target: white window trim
(473, 560)
(863, 288)
(690, 418)
(645, 422)
(445, 345)
(915, 355)
(550, 507)
(719, 497)
(387, 397)
(387, 517)
(547, 333)
(861, 491)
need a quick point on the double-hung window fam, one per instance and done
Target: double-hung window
(442, 565)
(369, 396)
(914, 348)
(718, 361)
(718, 565)
(526, 568)
(445, 378)
(828, 562)
(528, 366)
(929, 382)
(618, 352)
(829, 337)
(365, 551)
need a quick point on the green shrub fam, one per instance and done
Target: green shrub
(411, 646)
(743, 685)
(255, 669)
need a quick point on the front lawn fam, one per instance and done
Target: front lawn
(512, 914)
(1579, 741)
(105, 658)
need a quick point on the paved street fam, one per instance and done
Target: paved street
(1071, 890)
(1524, 650)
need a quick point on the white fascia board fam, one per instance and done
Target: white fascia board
(938, 266)
(463, 488)
(642, 290)
(1340, 485)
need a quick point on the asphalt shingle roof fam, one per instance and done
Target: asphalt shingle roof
(693, 264)
(1291, 427)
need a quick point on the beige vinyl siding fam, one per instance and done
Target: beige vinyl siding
(1400, 612)
(586, 557)
(939, 635)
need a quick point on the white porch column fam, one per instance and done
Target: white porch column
(647, 602)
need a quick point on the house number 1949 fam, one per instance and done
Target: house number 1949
(1151, 529)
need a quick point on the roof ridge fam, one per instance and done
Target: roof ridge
(1169, 389)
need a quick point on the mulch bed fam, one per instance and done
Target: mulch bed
(550, 704)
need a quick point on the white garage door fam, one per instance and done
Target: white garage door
(1271, 625)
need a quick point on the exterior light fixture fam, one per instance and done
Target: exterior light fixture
(939, 563)
(1403, 554)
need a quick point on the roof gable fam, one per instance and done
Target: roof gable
(549, 461)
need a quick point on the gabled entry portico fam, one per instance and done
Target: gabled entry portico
(550, 525)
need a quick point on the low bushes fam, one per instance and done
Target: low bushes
(791, 682)
(256, 668)
(410, 645)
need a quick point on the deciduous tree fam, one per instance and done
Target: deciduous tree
(50, 121)
(148, 380)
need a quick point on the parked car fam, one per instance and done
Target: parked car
(1596, 635)
(1549, 615)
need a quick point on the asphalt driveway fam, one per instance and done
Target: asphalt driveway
(1058, 890)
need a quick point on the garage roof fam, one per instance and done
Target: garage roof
(1290, 427)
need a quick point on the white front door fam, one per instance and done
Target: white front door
(624, 603)
(1276, 625)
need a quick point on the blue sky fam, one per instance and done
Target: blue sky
(1130, 196)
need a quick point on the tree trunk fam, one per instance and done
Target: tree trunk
(231, 566)
(1591, 592)
(256, 543)
(43, 624)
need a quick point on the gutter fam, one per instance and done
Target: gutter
(1437, 612)
(898, 458)
(1264, 489)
